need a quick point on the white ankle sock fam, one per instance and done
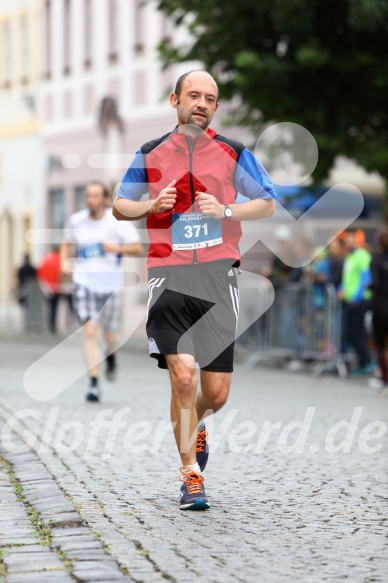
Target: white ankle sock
(194, 467)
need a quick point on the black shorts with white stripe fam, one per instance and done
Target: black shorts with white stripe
(193, 309)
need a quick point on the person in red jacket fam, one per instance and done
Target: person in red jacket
(49, 276)
(193, 175)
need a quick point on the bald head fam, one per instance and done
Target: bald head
(195, 75)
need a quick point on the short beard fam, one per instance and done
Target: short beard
(201, 125)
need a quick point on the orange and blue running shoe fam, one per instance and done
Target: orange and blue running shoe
(202, 447)
(192, 496)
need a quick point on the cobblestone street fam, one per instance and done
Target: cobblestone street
(96, 499)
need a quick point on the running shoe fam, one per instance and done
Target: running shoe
(93, 395)
(363, 370)
(111, 367)
(202, 447)
(192, 495)
(376, 383)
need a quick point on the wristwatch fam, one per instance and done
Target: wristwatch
(227, 212)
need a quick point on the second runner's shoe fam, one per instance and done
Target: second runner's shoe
(111, 367)
(192, 495)
(202, 447)
(93, 395)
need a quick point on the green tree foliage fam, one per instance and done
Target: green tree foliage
(322, 64)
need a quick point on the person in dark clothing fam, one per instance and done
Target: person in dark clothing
(379, 286)
(335, 262)
(28, 295)
(335, 265)
(25, 274)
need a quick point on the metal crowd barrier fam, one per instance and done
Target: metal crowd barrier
(303, 323)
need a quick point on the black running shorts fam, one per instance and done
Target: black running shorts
(193, 309)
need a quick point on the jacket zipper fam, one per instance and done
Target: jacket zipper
(191, 150)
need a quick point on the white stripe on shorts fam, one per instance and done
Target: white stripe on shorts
(151, 285)
(235, 301)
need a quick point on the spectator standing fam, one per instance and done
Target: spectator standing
(356, 295)
(335, 262)
(29, 296)
(49, 277)
(25, 274)
(335, 265)
(379, 286)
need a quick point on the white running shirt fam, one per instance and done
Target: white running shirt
(98, 271)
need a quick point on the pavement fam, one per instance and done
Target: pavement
(88, 492)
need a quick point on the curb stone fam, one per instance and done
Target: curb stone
(39, 525)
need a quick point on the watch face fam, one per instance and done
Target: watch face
(228, 212)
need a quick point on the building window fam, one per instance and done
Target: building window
(167, 83)
(140, 88)
(24, 43)
(113, 31)
(139, 27)
(88, 33)
(79, 198)
(67, 104)
(66, 37)
(47, 38)
(88, 100)
(48, 108)
(7, 53)
(56, 208)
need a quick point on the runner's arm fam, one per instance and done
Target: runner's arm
(127, 204)
(252, 209)
(133, 249)
(253, 181)
(130, 210)
(66, 251)
(258, 208)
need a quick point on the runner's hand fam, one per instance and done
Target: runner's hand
(165, 200)
(209, 205)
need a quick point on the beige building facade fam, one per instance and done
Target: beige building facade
(21, 155)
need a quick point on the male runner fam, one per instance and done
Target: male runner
(193, 176)
(98, 242)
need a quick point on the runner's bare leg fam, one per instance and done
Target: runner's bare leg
(183, 411)
(214, 392)
(91, 348)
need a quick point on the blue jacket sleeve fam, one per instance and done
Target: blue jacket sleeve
(251, 179)
(134, 183)
(365, 280)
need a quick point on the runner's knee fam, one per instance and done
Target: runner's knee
(184, 382)
(90, 331)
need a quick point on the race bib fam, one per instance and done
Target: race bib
(195, 231)
(90, 251)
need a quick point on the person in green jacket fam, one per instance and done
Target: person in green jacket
(355, 294)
